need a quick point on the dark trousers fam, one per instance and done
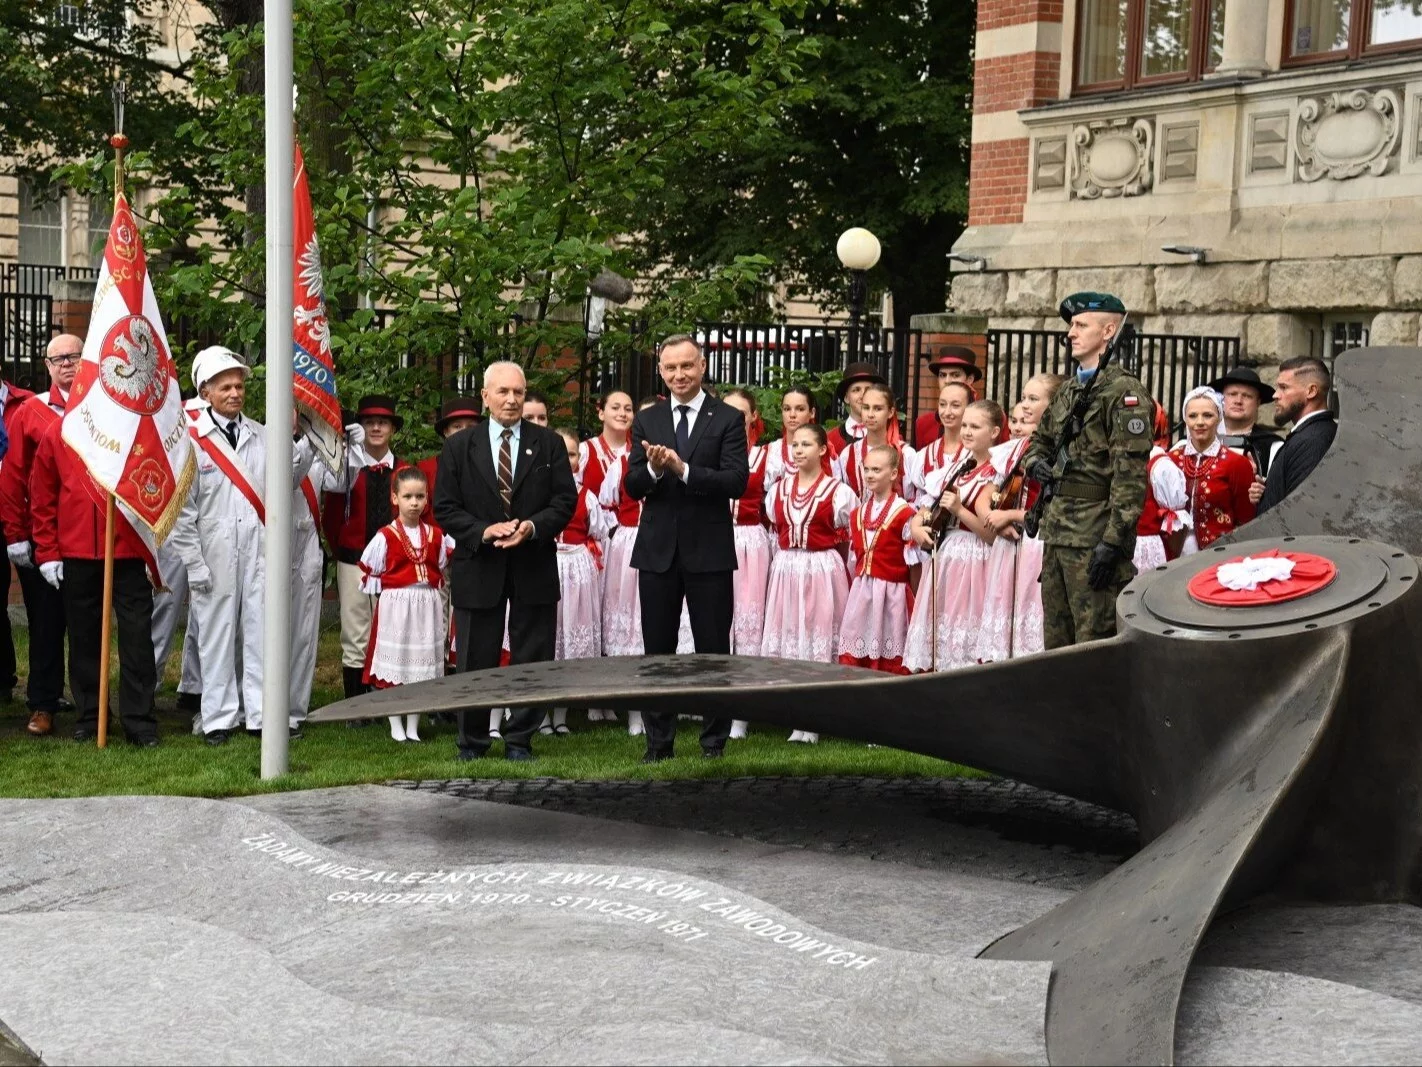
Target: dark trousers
(8, 678)
(45, 608)
(710, 601)
(83, 591)
(479, 639)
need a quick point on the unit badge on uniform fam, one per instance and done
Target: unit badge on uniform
(1136, 425)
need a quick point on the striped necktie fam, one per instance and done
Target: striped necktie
(506, 471)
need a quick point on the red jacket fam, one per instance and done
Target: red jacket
(25, 426)
(349, 536)
(60, 484)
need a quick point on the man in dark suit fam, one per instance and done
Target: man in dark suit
(688, 461)
(1300, 397)
(504, 493)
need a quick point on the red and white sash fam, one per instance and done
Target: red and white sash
(212, 441)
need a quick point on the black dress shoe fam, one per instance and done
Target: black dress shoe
(712, 753)
(63, 705)
(255, 733)
(518, 755)
(657, 757)
(295, 734)
(465, 755)
(216, 737)
(147, 741)
(85, 733)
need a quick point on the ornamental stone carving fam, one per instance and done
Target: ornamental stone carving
(1345, 134)
(1112, 157)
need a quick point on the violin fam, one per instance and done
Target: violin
(940, 518)
(1006, 497)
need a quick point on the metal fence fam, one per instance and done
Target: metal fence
(742, 353)
(1169, 365)
(27, 318)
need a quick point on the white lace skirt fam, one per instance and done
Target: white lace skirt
(622, 604)
(753, 555)
(875, 625)
(1149, 554)
(1005, 605)
(804, 605)
(961, 590)
(579, 633)
(407, 636)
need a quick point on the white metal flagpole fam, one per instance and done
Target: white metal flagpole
(276, 638)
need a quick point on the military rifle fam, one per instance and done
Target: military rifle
(1123, 342)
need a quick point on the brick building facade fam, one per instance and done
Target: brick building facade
(1276, 144)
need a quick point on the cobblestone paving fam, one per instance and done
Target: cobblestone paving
(993, 828)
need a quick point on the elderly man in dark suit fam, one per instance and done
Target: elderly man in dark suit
(688, 461)
(1300, 397)
(504, 492)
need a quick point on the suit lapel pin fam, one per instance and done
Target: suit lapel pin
(528, 451)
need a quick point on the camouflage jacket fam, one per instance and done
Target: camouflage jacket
(1101, 496)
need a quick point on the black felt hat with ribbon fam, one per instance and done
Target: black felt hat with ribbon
(460, 407)
(1245, 376)
(858, 372)
(381, 406)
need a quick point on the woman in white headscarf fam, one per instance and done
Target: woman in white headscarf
(1165, 518)
(1217, 480)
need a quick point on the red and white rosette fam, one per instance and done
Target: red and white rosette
(1271, 577)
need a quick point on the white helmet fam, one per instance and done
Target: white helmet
(211, 362)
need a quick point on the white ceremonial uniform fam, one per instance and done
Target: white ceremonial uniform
(221, 538)
(305, 598)
(168, 602)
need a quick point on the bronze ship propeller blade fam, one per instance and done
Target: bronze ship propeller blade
(1272, 748)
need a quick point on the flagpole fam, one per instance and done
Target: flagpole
(106, 628)
(276, 667)
(119, 142)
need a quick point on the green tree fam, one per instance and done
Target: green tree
(879, 138)
(506, 148)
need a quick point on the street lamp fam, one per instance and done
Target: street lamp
(858, 250)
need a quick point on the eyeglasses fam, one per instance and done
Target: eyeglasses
(62, 360)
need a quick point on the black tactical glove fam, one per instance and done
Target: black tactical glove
(1040, 472)
(1102, 567)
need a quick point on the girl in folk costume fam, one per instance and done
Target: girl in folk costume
(877, 415)
(597, 455)
(942, 632)
(404, 567)
(877, 612)
(753, 547)
(797, 408)
(621, 603)
(579, 634)
(1217, 480)
(1165, 517)
(808, 582)
(953, 399)
(1012, 618)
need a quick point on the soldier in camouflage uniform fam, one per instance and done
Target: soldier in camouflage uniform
(1089, 528)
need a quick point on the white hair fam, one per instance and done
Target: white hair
(502, 364)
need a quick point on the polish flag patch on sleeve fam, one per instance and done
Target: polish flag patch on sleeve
(1130, 401)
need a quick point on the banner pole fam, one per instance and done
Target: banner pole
(106, 627)
(280, 166)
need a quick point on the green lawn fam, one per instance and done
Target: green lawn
(333, 754)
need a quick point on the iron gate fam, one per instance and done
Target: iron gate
(1169, 365)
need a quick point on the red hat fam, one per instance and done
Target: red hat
(461, 407)
(956, 356)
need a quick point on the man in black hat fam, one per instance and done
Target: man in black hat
(358, 504)
(857, 378)
(1243, 394)
(951, 363)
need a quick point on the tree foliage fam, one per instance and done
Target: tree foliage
(879, 138)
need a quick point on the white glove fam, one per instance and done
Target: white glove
(19, 554)
(355, 434)
(53, 572)
(200, 582)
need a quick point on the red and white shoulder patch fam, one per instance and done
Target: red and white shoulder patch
(1130, 400)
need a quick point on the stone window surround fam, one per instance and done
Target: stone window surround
(1173, 109)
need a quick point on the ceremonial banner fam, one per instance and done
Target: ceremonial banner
(125, 416)
(313, 368)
